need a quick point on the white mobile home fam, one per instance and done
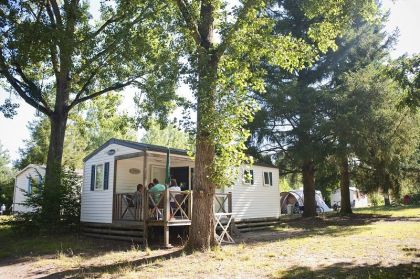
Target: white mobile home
(113, 170)
(357, 198)
(26, 179)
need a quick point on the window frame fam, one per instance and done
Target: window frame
(244, 180)
(102, 177)
(270, 178)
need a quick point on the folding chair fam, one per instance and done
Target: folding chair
(130, 207)
(224, 236)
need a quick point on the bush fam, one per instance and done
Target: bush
(376, 199)
(68, 198)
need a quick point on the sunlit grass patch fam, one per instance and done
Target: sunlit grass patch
(392, 211)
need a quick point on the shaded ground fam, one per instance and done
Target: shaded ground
(380, 243)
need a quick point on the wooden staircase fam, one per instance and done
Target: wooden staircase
(125, 231)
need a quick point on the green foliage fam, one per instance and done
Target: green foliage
(388, 137)
(228, 71)
(406, 71)
(169, 136)
(6, 179)
(55, 56)
(68, 198)
(87, 129)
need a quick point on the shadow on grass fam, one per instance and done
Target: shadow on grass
(95, 271)
(347, 270)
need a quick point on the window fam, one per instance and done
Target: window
(99, 179)
(268, 178)
(248, 177)
(29, 185)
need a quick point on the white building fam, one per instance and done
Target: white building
(357, 198)
(118, 166)
(26, 180)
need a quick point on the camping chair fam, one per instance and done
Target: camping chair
(130, 207)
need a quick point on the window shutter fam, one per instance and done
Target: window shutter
(271, 178)
(251, 172)
(92, 178)
(29, 185)
(106, 176)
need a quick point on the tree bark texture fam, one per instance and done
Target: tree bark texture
(308, 177)
(202, 225)
(51, 206)
(345, 187)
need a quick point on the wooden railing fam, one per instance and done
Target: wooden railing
(168, 205)
(127, 208)
(223, 202)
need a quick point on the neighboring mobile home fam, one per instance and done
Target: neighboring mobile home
(26, 179)
(357, 198)
(115, 168)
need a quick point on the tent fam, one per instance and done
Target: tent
(296, 198)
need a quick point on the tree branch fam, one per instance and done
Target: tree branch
(250, 4)
(17, 85)
(32, 87)
(101, 92)
(189, 20)
(57, 15)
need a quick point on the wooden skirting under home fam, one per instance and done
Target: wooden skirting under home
(126, 231)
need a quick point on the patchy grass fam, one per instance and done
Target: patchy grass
(410, 211)
(375, 243)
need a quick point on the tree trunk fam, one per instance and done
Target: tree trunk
(308, 176)
(345, 187)
(202, 225)
(51, 201)
(387, 200)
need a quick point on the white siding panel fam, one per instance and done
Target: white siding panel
(97, 205)
(21, 186)
(255, 201)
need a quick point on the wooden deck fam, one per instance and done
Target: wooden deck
(132, 219)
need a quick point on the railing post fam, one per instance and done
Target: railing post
(166, 206)
(146, 204)
(229, 202)
(190, 204)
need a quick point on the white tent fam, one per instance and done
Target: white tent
(296, 196)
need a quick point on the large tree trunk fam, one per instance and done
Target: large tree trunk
(51, 206)
(202, 224)
(345, 187)
(308, 177)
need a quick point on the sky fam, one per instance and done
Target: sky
(405, 15)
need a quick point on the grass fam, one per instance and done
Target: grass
(383, 245)
(409, 211)
(15, 244)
